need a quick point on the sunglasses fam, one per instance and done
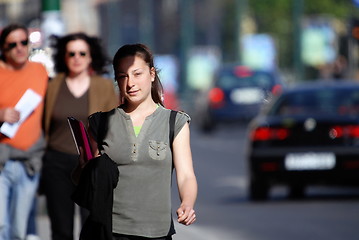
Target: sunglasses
(14, 44)
(73, 54)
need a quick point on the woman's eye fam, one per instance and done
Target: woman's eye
(121, 77)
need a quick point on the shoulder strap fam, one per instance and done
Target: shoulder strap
(102, 129)
(98, 123)
(172, 122)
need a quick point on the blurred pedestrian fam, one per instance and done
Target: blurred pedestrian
(137, 140)
(21, 153)
(77, 90)
(340, 67)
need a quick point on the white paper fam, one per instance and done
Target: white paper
(26, 105)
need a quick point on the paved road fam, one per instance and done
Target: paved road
(224, 212)
(183, 233)
(194, 232)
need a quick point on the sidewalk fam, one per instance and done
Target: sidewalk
(193, 232)
(43, 227)
(183, 233)
(43, 221)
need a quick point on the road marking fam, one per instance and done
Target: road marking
(196, 232)
(240, 182)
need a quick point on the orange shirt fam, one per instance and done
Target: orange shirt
(13, 84)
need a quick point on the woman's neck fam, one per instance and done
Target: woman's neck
(139, 112)
(78, 76)
(147, 106)
(78, 84)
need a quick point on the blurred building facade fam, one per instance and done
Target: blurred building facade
(182, 27)
(78, 15)
(155, 22)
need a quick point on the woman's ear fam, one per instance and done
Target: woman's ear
(153, 74)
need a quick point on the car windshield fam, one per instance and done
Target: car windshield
(228, 80)
(318, 102)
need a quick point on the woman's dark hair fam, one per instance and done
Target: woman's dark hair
(143, 52)
(98, 56)
(6, 31)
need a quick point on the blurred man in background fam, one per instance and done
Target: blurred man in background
(21, 139)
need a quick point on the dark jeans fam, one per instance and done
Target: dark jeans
(58, 187)
(127, 237)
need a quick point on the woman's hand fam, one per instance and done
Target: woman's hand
(186, 215)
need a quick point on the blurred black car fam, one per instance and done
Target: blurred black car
(237, 93)
(308, 135)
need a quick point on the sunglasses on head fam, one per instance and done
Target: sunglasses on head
(14, 44)
(73, 54)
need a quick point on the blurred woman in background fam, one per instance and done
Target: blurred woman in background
(77, 90)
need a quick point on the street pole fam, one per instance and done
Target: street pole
(352, 44)
(113, 13)
(186, 41)
(146, 22)
(297, 31)
(240, 6)
(52, 22)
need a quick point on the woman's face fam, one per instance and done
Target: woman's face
(77, 57)
(135, 79)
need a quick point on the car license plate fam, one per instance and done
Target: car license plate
(309, 161)
(247, 95)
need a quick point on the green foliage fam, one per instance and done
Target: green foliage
(228, 34)
(275, 17)
(271, 16)
(335, 8)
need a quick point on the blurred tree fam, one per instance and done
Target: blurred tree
(228, 33)
(275, 18)
(336, 8)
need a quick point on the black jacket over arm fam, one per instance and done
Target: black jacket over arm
(95, 193)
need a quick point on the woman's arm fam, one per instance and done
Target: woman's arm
(186, 179)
